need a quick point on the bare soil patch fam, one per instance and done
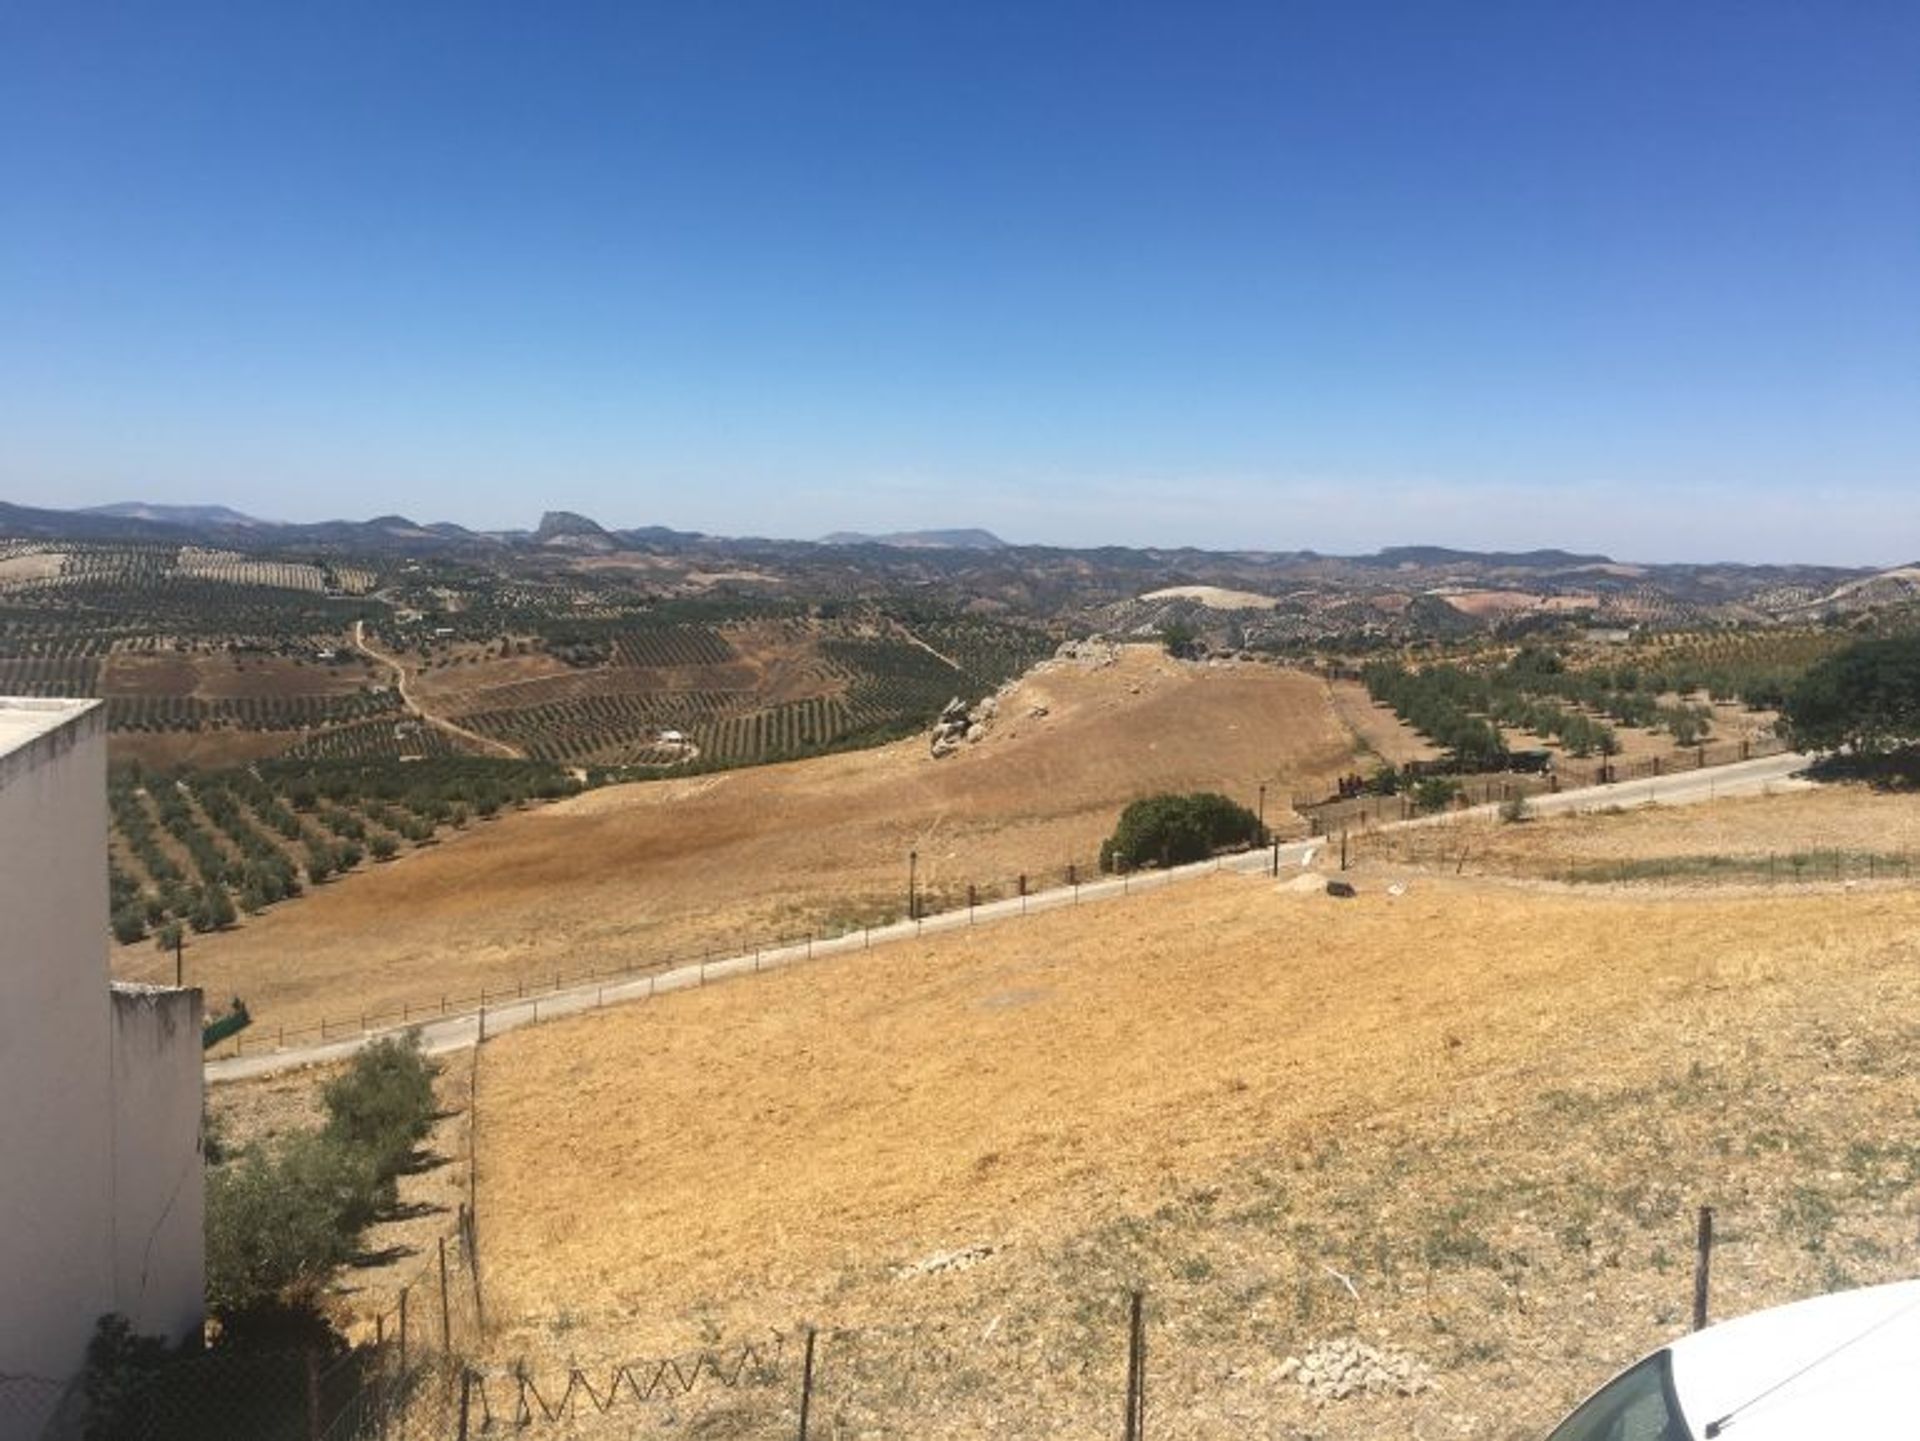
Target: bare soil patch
(224, 676)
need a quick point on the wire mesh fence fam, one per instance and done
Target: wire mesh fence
(1329, 815)
(1166, 1376)
(922, 907)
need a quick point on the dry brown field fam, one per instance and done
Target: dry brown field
(1483, 603)
(668, 869)
(1468, 1123)
(212, 749)
(1377, 728)
(220, 676)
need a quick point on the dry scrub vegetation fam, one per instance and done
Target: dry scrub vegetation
(1468, 1124)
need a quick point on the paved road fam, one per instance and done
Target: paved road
(1766, 776)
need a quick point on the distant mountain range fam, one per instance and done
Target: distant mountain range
(974, 566)
(187, 515)
(921, 539)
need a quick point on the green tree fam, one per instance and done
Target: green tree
(383, 1105)
(1435, 793)
(1174, 829)
(279, 1222)
(1865, 698)
(1181, 640)
(129, 924)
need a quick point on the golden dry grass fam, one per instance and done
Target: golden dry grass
(670, 868)
(1492, 1109)
(1377, 728)
(777, 1147)
(1849, 818)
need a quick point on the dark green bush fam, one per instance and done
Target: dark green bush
(1170, 830)
(279, 1222)
(383, 1105)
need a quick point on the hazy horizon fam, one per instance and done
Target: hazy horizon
(527, 523)
(1638, 281)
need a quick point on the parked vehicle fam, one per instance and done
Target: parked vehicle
(1841, 1365)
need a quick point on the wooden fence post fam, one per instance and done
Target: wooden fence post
(403, 1330)
(471, 1240)
(446, 1306)
(1702, 1265)
(1136, 1419)
(806, 1386)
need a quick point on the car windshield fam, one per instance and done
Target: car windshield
(1636, 1406)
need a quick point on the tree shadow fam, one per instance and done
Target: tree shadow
(411, 1211)
(1892, 771)
(383, 1256)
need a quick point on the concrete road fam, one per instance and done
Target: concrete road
(1766, 776)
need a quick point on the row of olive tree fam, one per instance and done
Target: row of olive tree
(282, 1219)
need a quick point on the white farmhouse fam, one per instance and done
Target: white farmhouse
(101, 1189)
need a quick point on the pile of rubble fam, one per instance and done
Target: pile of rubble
(1335, 1370)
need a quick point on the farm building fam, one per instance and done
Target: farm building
(101, 1183)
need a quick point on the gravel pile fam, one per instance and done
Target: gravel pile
(1335, 1370)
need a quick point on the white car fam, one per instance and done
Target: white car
(1844, 1365)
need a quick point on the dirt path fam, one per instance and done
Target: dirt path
(486, 743)
(908, 636)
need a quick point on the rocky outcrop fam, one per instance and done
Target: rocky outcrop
(961, 724)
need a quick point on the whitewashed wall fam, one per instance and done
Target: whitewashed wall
(159, 1184)
(100, 1171)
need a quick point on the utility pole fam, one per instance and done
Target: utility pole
(913, 885)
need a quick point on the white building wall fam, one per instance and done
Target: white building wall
(56, 1097)
(159, 1182)
(101, 1187)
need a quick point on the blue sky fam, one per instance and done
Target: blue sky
(1636, 277)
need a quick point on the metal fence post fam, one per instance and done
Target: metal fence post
(446, 1307)
(806, 1386)
(1136, 1417)
(1702, 1265)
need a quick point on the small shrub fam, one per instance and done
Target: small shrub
(1435, 793)
(1515, 809)
(129, 924)
(383, 1106)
